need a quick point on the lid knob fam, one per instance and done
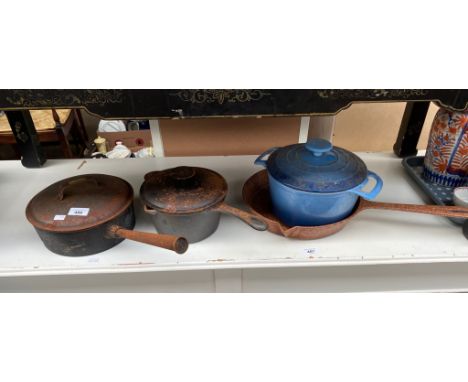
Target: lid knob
(318, 147)
(182, 173)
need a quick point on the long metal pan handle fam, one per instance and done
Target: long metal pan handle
(173, 243)
(246, 217)
(447, 211)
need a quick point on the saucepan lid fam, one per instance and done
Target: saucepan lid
(317, 166)
(183, 190)
(79, 203)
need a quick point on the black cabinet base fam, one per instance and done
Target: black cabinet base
(410, 129)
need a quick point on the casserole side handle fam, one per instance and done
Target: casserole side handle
(262, 162)
(372, 193)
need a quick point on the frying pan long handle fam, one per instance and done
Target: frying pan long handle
(447, 211)
(173, 243)
(246, 217)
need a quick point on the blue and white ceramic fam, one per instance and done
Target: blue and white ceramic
(446, 160)
(315, 183)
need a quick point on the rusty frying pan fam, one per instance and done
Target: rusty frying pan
(257, 195)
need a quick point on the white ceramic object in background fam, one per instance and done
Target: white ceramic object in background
(111, 126)
(119, 151)
(146, 152)
(460, 196)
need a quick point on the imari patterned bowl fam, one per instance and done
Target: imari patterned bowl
(446, 160)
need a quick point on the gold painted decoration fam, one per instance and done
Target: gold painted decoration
(372, 93)
(35, 98)
(19, 132)
(219, 96)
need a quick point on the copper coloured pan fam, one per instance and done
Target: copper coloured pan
(256, 194)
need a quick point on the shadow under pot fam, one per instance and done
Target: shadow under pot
(187, 201)
(88, 214)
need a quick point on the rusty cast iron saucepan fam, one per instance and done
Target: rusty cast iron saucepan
(256, 194)
(187, 201)
(88, 214)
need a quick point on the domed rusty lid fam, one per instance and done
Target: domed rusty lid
(183, 190)
(79, 203)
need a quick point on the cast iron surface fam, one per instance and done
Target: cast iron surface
(199, 225)
(108, 201)
(256, 194)
(106, 197)
(186, 201)
(194, 227)
(144, 104)
(90, 241)
(183, 190)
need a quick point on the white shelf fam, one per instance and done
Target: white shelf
(374, 237)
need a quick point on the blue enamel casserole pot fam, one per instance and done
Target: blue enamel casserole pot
(315, 183)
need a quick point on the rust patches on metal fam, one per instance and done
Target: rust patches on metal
(251, 219)
(107, 197)
(183, 190)
(256, 195)
(170, 242)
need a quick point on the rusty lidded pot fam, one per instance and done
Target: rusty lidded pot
(187, 201)
(88, 214)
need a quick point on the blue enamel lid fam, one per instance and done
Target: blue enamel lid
(317, 166)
